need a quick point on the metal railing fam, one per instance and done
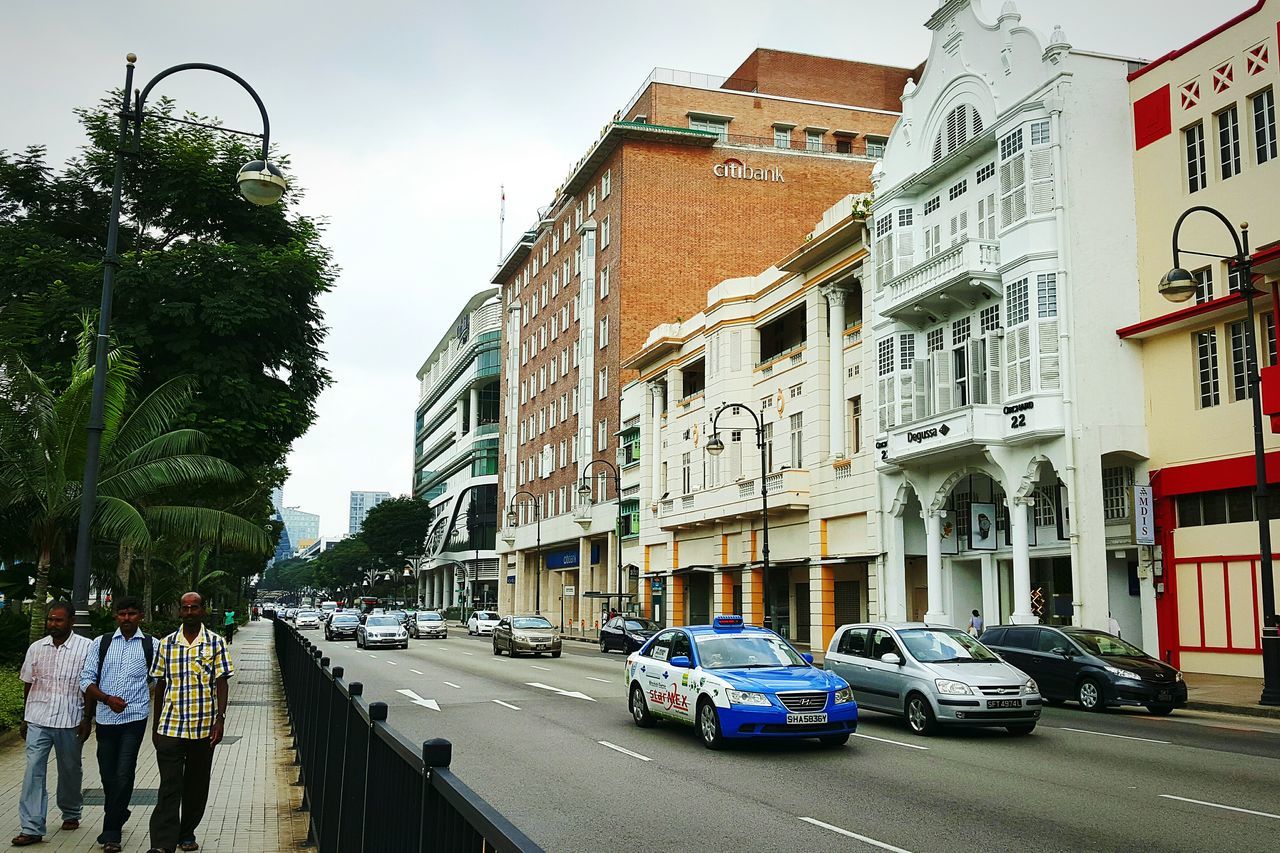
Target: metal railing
(366, 788)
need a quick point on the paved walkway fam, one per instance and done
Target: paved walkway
(1228, 694)
(250, 801)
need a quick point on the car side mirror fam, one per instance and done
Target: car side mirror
(891, 657)
(680, 661)
(1065, 652)
(808, 658)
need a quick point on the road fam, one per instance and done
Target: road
(551, 744)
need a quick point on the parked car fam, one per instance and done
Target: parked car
(307, 619)
(517, 635)
(732, 681)
(626, 633)
(426, 623)
(381, 630)
(482, 622)
(933, 676)
(341, 626)
(1096, 669)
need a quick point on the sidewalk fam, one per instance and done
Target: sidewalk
(250, 800)
(1227, 694)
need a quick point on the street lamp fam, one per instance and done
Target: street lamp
(512, 518)
(715, 446)
(260, 182)
(584, 492)
(1178, 285)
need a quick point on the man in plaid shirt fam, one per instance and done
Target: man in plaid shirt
(191, 669)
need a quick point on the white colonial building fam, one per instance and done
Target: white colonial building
(1009, 417)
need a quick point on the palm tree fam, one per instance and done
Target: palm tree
(144, 460)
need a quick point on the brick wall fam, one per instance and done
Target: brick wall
(822, 78)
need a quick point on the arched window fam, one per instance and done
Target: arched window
(962, 124)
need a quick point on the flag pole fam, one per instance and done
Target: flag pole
(502, 217)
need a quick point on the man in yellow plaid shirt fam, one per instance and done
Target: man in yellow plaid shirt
(191, 669)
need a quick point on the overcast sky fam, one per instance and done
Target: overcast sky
(403, 118)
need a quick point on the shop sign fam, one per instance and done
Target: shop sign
(656, 584)
(1144, 516)
(570, 591)
(734, 168)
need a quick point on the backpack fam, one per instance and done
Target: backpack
(148, 651)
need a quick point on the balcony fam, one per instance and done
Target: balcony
(1032, 418)
(788, 491)
(962, 274)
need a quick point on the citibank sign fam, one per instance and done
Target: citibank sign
(737, 169)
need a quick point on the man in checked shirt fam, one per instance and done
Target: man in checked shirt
(191, 671)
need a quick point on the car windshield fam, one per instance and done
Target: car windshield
(641, 625)
(485, 616)
(745, 651)
(530, 622)
(1098, 643)
(344, 618)
(944, 645)
(382, 621)
(307, 613)
(429, 617)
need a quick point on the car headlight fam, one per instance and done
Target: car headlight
(1177, 676)
(742, 697)
(844, 695)
(1123, 673)
(952, 688)
(1031, 686)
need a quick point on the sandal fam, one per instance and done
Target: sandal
(188, 845)
(23, 840)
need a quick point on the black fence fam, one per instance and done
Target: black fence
(367, 789)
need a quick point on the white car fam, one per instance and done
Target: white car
(482, 622)
(306, 619)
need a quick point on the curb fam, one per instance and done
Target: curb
(1240, 710)
(577, 639)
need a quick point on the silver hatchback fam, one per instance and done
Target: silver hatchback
(933, 676)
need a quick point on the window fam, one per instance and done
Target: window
(606, 183)
(1116, 485)
(1193, 139)
(795, 391)
(875, 146)
(555, 284)
(1207, 367)
(1231, 506)
(1235, 279)
(1047, 295)
(767, 438)
(591, 200)
(987, 217)
(797, 440)
(959, 331)
(855, 425)
(602, 438)
(766, 402)
(565, 232)
(1229, 142)
(782, 137)
(604, 282)
(906, 350)
(958, 190)
(1204, 284)
(989, 318)
(1011, 144)
(604, 333)
(1040, 132)
(986, 172)
(884, 249)
(603, 389)
(1239, 363)
(813, 140)
(932, 204)
(853, 642)
(1268, 354)
(604, 233)
(905, 216)
(546, 255)
(686, 474)
(1264, 125)
(962, 124)
(555, 327)
(933, 340)
(564, 272)
(577, 216)
(718, 126)
(1017, 306)
(1013, 180)
(884, 356)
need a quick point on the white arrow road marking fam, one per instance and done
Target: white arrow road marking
(624, 750)
(601, 680)
(451, 684)
(575, 694)
(418, 700)
(506, 704)
(543, 668)
(847, 834)
(886, 740)
(416, 672)
(1108, 734)
(1220, 806)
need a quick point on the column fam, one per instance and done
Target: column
(475, 408)
(937, 612)
(587, 608)
(835, 323)
(821, 604)
(439, 588)
(1019, 508)
(894, 579)
(990, 590)
(655, 442)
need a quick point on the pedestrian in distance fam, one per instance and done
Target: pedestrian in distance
(115, 681)
(229, 625)
(54, 718)
(191, 669)
(976, 624)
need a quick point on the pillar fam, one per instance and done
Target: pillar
(937, 612)
(835, 323)
(822, 611)
(475, 410)
(655, 441)
(1019, 508)
(753, 596)
(990, 590)
(894, 580)
(588, 606)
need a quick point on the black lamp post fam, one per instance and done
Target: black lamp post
(715, 446)
(260, 183)
(1178, 285)
(584, 492)
(512, 518)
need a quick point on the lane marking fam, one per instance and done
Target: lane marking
(886, 740)
(451, 684)
(543, 668)
(1221, 806)
(601, 680)
(375, 657)
(1108, 734)
(847, 834)
(416, 672)
(465, 653)
(624, 750)
(418, 700)
(392, 663)
(571, 693)
(506, 704)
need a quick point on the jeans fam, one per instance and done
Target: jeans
(185, 766)
(35, 797)
(117, 760)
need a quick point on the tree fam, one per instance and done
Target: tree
(396, 527)
(289, 575)
(343, 566)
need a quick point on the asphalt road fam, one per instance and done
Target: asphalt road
(552, 745)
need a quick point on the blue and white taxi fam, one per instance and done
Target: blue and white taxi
(731, 680)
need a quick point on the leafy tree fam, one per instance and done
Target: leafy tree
(343, 567)
(396, 526)
(289, 575)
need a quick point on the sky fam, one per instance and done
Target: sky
(402, 120)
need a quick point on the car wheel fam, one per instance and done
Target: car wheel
(497, 651)
(709, 725)
(834, 740)
(640, 710)
(920, 717)
(604, 650)
(1022, 729)
(555, 654)
(1089, 694)
(1160, 710)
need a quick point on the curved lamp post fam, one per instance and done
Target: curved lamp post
(512, 518)
(260, 182)
(715, 446)
(1179, 285)
(584, 492)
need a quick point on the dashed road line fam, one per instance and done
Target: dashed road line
(416, 671)
(601, 680)
(506, 704)
(392, 663)
(847, 834)
(1221, 806)
(465, 653)
(451, 684)
(624, 750)
(1108, 734)
(543, 668)
(886, 740)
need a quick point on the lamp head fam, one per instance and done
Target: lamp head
(512, 518)
(584, 490)
(715, 446)
(261, 182)
(1178, 285)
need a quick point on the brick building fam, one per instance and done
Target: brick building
(698, 179)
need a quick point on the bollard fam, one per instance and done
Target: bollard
(337, 672)
(436, 752)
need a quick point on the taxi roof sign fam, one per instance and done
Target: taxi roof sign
(726, 622)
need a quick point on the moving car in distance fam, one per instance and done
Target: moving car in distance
(307, 619)
(626, 633)
(731, 680)
(427, 623)
(381, 630)
(1096, 669)
(327, 608)
(482, 622)
(519, 635)
(341, 626)
(933, 676)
